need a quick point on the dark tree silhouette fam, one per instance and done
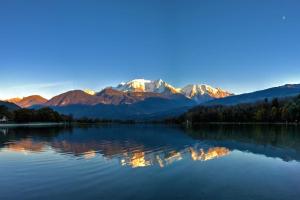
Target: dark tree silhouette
(284, 110)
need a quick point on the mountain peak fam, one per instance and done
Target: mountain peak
(203, 92)
(143, 85)
(89, 91)
(135, 85)
(197, 92)
(141, 80)
(28, 101)
(73, 97)
(14, 100)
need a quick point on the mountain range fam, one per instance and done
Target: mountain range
(140, 98)
(137, 98)
(126, 93)
(198, 93)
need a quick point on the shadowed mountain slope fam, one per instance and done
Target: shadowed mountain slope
(275, 92)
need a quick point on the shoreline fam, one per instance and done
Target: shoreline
(44, 124)
(34, 124)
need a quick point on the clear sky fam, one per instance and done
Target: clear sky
(50, 46)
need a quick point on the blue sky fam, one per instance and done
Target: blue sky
(48, 47)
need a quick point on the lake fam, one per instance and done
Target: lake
(150, 162)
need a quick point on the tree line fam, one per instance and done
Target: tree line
(273, 111)
(46, 114)
(24, 115)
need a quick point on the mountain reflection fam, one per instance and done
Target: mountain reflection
(140, 159)
(212, 153)
(26, 146)
(89, 154)
(134, 159)
(143, 146)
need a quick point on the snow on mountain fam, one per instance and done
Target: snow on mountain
(202, 93)
(128, 93)
(199, 93)
(90, 92)
(142, 85)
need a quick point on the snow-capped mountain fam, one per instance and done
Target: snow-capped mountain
(198, 93)
(137, 98)
(142, 85)
(90, 92)
(131, 92)
(202, 93)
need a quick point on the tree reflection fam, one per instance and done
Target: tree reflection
(141, 147)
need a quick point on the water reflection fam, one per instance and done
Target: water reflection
(89, 154)
(212, 153)
(150, 162)
(25, 146)
(142, 146)
(140, 159)
(134, 159)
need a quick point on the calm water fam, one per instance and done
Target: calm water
(150, 162)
